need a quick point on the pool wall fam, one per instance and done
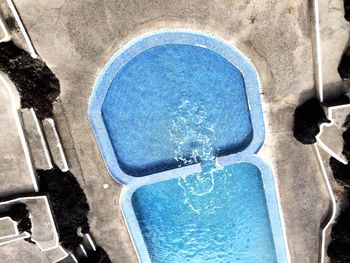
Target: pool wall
(178, 36)
(252, 85)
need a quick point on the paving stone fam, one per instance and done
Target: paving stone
(36, 140)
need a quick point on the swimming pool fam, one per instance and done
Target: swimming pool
(178, 119)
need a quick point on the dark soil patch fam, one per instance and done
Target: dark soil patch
(344, 65)
(25, 225)
(11, 23)
(69, 205)
(340, 100)
(339, 248)
(307, 119)
(346, 147)
(20, 214)
(98, 256)
(341, 172)
(37, 85)
(347, 10)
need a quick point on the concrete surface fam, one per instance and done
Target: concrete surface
(54, 143)
(334, 38)
(23, 252)
(35, 138)
(4, 35)
(14, 172)
(43, 230)
(2, 29)
(12, 27)
(76, 39)
(7, 227)
(330, 137)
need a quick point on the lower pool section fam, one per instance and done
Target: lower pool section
(218, 215)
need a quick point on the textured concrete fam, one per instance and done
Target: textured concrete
(43, 231)
(23, 252)
(3, 29)
(54, 143)
(76, 39)
(7, 227)
(330, 137)
(14, 173)
(12, 26)
(34, 136)
(334, 38)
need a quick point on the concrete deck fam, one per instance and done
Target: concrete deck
(14, 172)
(76, 39)
(7, 228)
(43, 230)
(334, 39)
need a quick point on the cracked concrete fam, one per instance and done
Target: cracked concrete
(76, 39)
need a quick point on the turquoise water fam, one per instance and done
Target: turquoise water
(226, 223)
(144, 101)
(174, 105)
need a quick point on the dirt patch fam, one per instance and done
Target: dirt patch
(339, 248)
(37, 85)
(70, 209)
(69, 205)
(347, 10)
(20, 214)
(341, 172)
(307, 120)
(98, 256)
(344, 65)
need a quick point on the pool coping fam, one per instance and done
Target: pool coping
(270, 191)
(171, 36)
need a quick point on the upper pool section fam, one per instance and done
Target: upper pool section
(175, 98)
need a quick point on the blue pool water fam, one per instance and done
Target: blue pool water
(229, 223)
(147, 95)
(176, 98)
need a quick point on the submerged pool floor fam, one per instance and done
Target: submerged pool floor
(181, 222)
